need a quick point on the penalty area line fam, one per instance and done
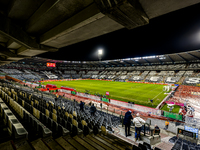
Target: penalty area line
(157, 95)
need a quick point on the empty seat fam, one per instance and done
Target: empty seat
(74, 130)
(55, 127)
(59, 120)
(143, 147)
(136, 148)
(49, 123)
(148, 146)
(185, 147)
(69, 126)
(62, 131)
(43, 131)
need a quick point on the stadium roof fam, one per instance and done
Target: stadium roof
(32, 27)
(183, 57)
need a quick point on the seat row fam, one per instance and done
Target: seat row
(15, 128)
(182, 144)
(26, 115)
(50, 118)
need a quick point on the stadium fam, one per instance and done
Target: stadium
(83, 104)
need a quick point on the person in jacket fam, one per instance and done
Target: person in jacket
(81, 106)
(138, 126)
(166, 124)
(92, 110)
(127, 122)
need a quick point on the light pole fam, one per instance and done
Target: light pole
(100, 52)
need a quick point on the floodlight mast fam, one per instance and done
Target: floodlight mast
(100, 52)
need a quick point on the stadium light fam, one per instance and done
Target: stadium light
(100, 52)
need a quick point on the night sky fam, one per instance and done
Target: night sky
(173, 32)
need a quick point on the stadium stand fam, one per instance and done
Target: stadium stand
(154, 79)
(136, 78)
(61, 125)
(49, 75)
(172, 73)
(86, 76)
(66, 125)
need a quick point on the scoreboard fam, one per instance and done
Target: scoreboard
(51, 64)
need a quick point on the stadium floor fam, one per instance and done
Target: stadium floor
(139, 93)
(164, 144)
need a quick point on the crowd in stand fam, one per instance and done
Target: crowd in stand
(189, 96)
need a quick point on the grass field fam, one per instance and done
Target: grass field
(175, 110)
(136, 92)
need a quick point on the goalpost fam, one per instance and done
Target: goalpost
(167, 88)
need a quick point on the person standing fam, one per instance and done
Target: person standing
(138, 126)
(81, 106)
(127, 122)
(92, 110)
(166, 124)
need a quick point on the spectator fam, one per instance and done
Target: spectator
(127, 122)
(81, 106)
(166, 124)
(92, 110)
(138, 126)
(156, 128)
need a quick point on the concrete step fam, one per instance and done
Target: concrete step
(52, 144)
(93, 143)
(86, 145)
(74, 143)
(98, 142)
(119, 141)
(6, 146)
(106, 143)
(23, 145)
(112, 142)
(39, 145)
(66, 145)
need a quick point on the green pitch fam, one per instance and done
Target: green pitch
(175, 110)
(135, 92)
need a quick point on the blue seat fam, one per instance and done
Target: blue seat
(185, 147)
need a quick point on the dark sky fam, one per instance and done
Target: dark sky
(173, 32)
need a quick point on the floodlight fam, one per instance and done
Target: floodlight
(100, 51)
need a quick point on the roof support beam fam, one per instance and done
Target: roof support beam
(136, 62)
(128, 13)
(170, 58)
(43, 9)
(83, 18)
(14, 32)
(182, 57)
(193, 56)
(159, 60)
(147, 61)
(8, 53)
(128, 62)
